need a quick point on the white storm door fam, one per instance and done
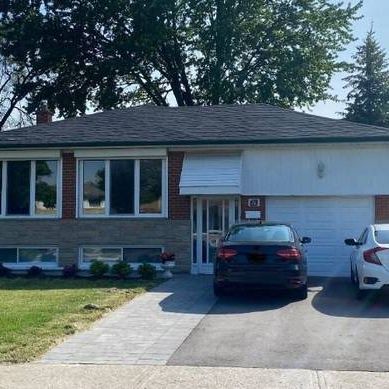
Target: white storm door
(211, 218)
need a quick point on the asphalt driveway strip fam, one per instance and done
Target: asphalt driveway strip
(331, 330)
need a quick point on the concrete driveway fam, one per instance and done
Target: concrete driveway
(331, 330)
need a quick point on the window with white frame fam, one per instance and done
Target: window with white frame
(29, 188)
(122, 187)
(129, 254)
(29, 255)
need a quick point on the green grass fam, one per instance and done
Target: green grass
(36, 314)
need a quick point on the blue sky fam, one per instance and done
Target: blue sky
(376, 11)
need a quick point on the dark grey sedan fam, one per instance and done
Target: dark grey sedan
(261, 256)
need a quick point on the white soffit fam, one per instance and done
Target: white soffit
(29, 154)
(120, 153)
(211, 174)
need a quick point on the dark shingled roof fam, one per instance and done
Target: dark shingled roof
(211, 125)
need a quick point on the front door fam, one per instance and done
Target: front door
(211, 218)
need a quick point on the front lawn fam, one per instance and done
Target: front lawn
(36, 314)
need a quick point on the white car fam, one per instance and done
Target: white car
(370, 258)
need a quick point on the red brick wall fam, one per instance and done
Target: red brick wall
(43, 117)
(179, 206)
(68, 186)
(245, 206)
(382, 209)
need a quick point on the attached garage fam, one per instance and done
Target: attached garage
(328, 221)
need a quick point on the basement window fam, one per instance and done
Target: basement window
(133, 255)
(104, 254)
(29, 255)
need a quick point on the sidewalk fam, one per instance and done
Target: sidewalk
(147, 330)
(39, 376)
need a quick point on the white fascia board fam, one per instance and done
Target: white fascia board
(120, 153)
(214, 190)
(29, 154)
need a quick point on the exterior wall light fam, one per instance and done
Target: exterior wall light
(321, 167)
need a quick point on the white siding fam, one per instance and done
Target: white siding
(210, 174)
(293, 170)
(328, 221)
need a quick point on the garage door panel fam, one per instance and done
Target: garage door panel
(317, 218)
(325, 251)
(354, 217)
(328, 221)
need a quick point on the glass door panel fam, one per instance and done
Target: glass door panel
(211, 218)
(204, 235)
(194, 231)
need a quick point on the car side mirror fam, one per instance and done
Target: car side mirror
(351, 242)
(305, 240)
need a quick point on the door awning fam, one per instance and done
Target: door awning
(211, 174)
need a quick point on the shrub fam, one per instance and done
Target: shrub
(34, 271)
(69, 271)
(99, 268)
(121, 269)
(147, 271)
(4, 271)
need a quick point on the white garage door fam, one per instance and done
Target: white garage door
(328, 221)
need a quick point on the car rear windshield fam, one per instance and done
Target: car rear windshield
(278, 233)
(382, 236)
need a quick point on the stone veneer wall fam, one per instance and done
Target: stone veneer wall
(69, 235)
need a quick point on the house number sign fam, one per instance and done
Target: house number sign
(254, 203)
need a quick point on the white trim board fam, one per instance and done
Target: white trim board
(120, 153)
(30, 154)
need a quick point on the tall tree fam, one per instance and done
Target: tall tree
(15, 84)
(368, 100)
(112, 53)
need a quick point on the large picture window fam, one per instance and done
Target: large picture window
(46, 176)
(150, 186)
(94, 187)
(122, 187)
(18, 187)
(29, 188)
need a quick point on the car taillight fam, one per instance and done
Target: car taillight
(289, 254)
(226, 254)
(371, 255)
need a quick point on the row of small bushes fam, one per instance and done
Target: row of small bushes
(98, 269)
(122, 270)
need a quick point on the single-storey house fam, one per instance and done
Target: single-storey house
(127, 184)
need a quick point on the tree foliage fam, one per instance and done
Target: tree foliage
(110, 53)
(15, 85)
(368, 100)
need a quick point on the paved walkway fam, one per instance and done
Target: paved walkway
(147, 330)
(175, 377)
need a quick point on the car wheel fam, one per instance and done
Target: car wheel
(218, 291)
(302, 293)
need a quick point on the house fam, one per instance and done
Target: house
(127, 184)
